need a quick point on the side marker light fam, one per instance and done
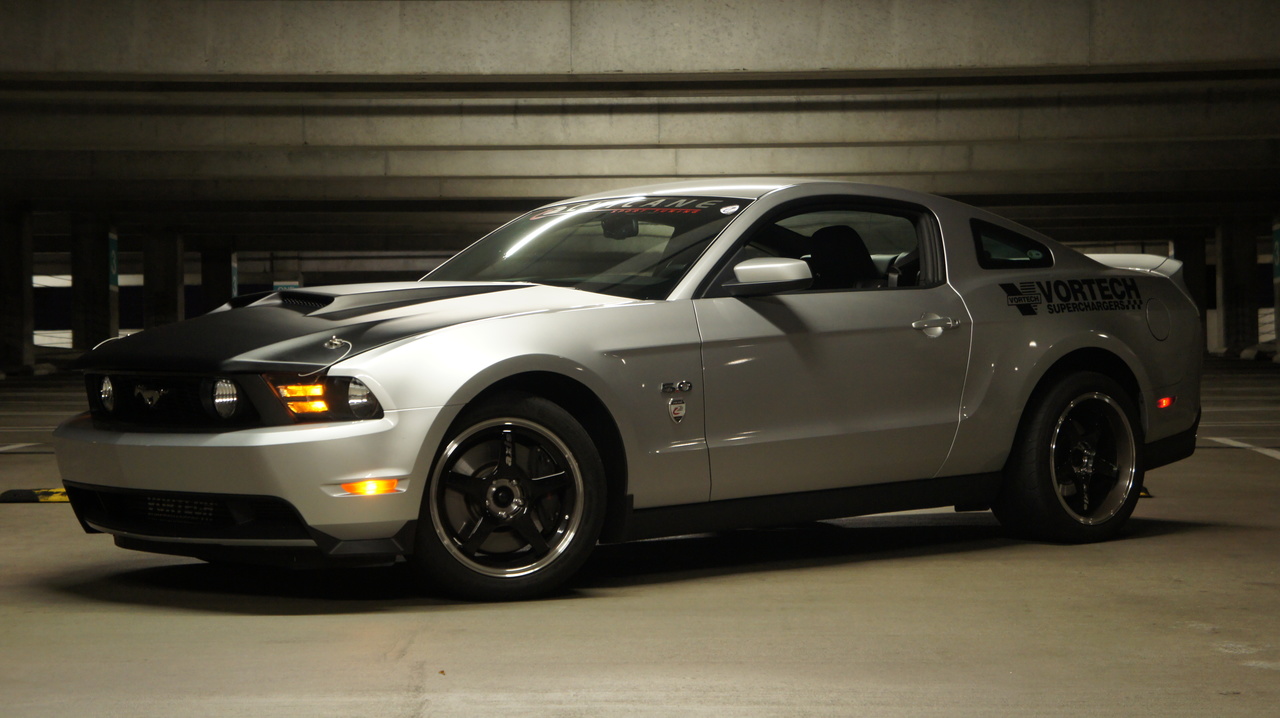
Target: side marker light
(1165, 402)
(371, 487)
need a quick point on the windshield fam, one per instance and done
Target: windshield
(636, 247)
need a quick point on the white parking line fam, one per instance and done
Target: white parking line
(12, 447)
(1273, 453)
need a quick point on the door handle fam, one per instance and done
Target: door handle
(935, 322)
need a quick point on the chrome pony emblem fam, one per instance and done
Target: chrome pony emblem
(150, 396)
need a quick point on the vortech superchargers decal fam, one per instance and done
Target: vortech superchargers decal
(1065, 296)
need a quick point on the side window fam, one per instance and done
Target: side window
(999, 248)
(845, 247)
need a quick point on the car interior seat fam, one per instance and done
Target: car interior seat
(905, 269)
(840, 260)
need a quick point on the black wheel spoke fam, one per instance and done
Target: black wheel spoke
(474, 535)
(1107, 468)
(468, 486)
(528, 531)
(1064, 471)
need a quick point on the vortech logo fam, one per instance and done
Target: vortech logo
(1023, 296)
(1064, 296)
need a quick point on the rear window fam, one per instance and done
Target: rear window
(1000, 248)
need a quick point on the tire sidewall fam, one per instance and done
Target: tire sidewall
(444, 572)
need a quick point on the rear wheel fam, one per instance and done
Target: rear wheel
(515, 501)
(1075, 472)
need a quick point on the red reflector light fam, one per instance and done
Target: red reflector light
(371, 487)
(1165, 402)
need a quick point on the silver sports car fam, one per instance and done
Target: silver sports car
(648, 362)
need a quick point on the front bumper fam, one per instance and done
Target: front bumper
(269, 488)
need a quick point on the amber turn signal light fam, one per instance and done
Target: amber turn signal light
(371, 487)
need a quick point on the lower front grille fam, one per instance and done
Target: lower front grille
(171, 509)
(171, 514)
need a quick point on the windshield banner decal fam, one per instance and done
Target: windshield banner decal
(637, 205)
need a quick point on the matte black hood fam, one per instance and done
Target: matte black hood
(287, 330)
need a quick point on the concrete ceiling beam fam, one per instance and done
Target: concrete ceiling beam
(1202, 113)
(1028, 157)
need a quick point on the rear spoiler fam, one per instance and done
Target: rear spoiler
(1149, 263)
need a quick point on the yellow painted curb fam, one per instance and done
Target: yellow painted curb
(34, 496)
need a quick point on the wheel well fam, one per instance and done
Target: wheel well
(1100, 361)
(595, 418)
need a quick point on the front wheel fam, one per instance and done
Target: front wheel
(515, 501)
(1075, 472)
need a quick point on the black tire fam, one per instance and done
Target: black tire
(514, 504)
(1075, 472)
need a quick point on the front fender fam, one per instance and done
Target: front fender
(621, 353)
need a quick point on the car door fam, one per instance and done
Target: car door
(856, 380)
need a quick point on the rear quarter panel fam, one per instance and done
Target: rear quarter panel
(1081, 305)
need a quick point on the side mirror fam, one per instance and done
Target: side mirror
(768, 275)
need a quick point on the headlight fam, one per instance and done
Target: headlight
(226, 398)
(360, 400)
(107, 394)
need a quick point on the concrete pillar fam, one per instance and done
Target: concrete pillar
(164, 279)
(17, 305)
(1191, 252)
(219, 277)
(286, 270)
(1237, 293)
(95, 282)
(1275, 280)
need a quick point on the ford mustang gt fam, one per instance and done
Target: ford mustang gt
(648, 362)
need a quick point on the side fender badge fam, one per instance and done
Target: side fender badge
(676, 408)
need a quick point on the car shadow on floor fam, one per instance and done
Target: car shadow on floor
(825, 543)
(245, 590)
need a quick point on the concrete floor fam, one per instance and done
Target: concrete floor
(931, 613)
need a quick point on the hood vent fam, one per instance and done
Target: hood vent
(303, 302)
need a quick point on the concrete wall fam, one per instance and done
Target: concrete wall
(296, 100)
(586, 37)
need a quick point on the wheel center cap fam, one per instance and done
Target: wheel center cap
(504, 499)
(1085, 458)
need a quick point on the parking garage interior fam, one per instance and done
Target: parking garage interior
(159, 158)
